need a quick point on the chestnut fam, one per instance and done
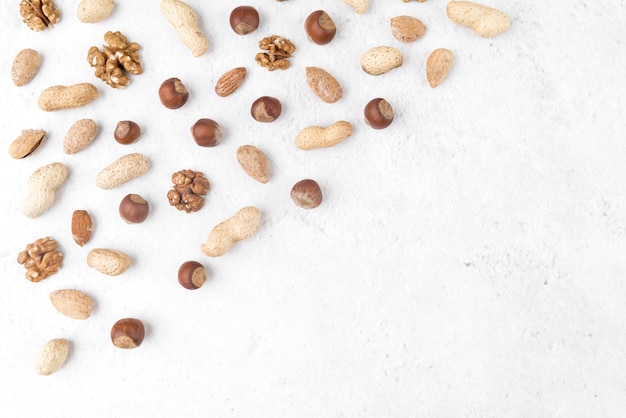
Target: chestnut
(173, 93)
(319, 27)
(126, 132)
(206, 132)
(191, 275)
(128, 333)
(266, 109)
(306, 194)
(244, 19)
(134, 209)
(378, 113)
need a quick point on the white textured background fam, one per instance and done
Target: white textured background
(468, 261)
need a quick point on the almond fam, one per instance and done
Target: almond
(324, 85)
(79, 136)
(25, 66)
(26, 143)
(380, 59)
(438, 66)
(407, 28)
(230, 81)
(81, 227)
(253, 162)
(72, 303)
(52, 356)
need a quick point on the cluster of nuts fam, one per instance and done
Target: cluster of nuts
(116, 60)
(188, 191)
(279, 50)
(41, 259)
(39, 14)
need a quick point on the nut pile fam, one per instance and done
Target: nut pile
(188, 191)
(41, 259)
(279, 50)
(117, 59)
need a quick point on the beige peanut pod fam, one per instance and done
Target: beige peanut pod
(42, 186)
(381, 59)
(79, 136)
(93, 11)
(67, 97)
(185, 21)
(313, 137)
(109, 262)
(25, 66)
(123, 169)
(72, 303)
(485, 21)
(52, 356)
(238, 227)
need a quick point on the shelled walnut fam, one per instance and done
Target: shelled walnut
(188, 190)
(279, 50)
(116, 60)
(41, 259)
(39, 14)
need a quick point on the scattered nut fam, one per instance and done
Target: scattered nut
(314, 137)
(191, 275)
(82, 226)
(52, 356)
(279, 50)
(128, 333)
(116, 61)
(39, 14)
(41, 259)
(324, 85)
(134, 209)
(109, 262)
(206, 133)
(188, 190)
(93, 11)
(484, 21)
(378, 113)
(381, 59)
(253, 162)
(438, 66)
(185, 21)
(230, 81)
(42, 186)
(238, 227)
(122, 170)
(360, 6)
(79, 136)
(72, 303)
(67, 97)
(244, 20)
(173, 93)
(25, 66)
(26, 143)
(407, 28)
(319, 27)
(306, 194)
(126, 132)
(266, 109)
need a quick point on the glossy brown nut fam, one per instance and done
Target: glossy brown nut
(244, 20)
(173, 93)
(126, 132)
(306, 194)
(128, 333)
(266, 109)
(206, 133)
(378, 113)
(191, 275)
(134, 209)
(319, 27)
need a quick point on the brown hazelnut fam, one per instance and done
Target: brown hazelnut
(266, 109)
(306, 194)
(191, 275)
(206, 133)
(134, 209)
(319, 27)
(378, 113)
(244, 20)
(126, 132)
(173, 93)
(128, 333)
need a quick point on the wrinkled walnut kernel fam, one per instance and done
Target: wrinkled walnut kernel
(116, 60)
(279, 50)
(41, 259)
(39, 14)
(188, 190)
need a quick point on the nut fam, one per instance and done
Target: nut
(134, 209)
(82, 226)
(126, 132)
(319, 27)
(122, 170)
(52, 356)
(324, 85)
(314, 137)
(39, 14)
(185, 21)
(93, 11)
(484, 21)
(438, 66)
(244, 19)
(173, 93)
(238, 227)
(360, 6)
(253, 162)
(26, 143)
(79, 136)
(72, 303)
(206, 133)
(266, 109)
(188, 190)
(41, 259)
(191, 275)
(381, 59)
(109, 262)
(25, 66)
(67, 97)
(407, 28)
(42, 186)
(279, 50)
(116, 61)
(306, 194)
(378, 113)
(128, 333)
(230, 81)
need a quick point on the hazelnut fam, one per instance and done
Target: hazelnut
(191, 275)
(128, 333)
(266, 109)
(244, 20)
(378, 113)
(320, 28)
(134, 209)
(173, 93)
(306, 194)
(126, 132)
(206, 133)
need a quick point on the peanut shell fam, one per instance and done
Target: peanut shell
(238, 227)
(381, 59)
(109, 262)
(120, 171)
(42, 186)
(56, 98)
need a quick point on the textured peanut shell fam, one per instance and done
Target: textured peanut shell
(323, 85)
(109, 262)
(314, 137)
(438, 66)
(25, 66)
(360, 6)
(381, 59)
(125, 168)
(93, 11)
(67, 97)
(52, 356)
(484, 21)
(26, 143)
(72, 303)
(79, 136)
(238, 227)
(42, 186)
(185, 21)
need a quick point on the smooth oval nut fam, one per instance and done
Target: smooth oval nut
(79, 136)
(314, 137)
(26, 143)
(323, 85)
(52, 356)
(122, 170)
(72, 303)
(381, 59)
(407, 28)
(243, 224)
(438, 66)
(56, 98)
(230, 81)
(109, 262)
(25, 66)
(253, 162)
(42, 186)
(185, 21)
(93, 11)
(485, 21)
(81, 227)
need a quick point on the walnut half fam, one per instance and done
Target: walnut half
(116, 60)
(39, 14)
(188, 190)
(41, 259)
